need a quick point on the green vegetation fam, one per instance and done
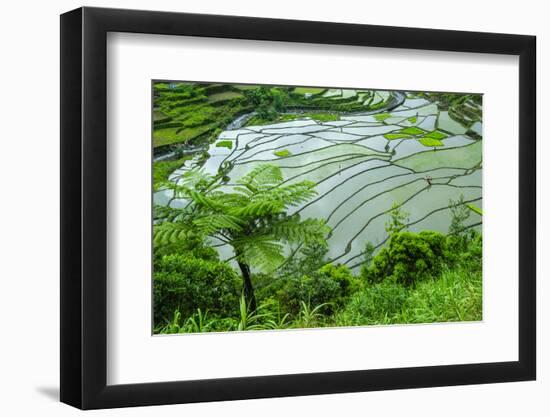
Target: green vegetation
(393, 262)
(382, 116)
(455, 295)
(323, 117)
(392, 136)
(430, 142)
(272, 103)
(163, 169)
(465, 109)
(185, 283)
(412, 119)
(309, 90)
(224, 96)
(286, 117)
(282, 153)
(245, 86)
(475, 209)
(158, 115)
(413, 130)
(170, 136)
(194, 113)
(436, 134)
(225, 144)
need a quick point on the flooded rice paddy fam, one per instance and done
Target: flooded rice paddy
(414, 155)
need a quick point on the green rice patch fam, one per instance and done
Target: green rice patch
(382, 116)
(436, 134)
(475, 209)
(412, 119)
(430, 142)
(158, 115)
(224, 144)
(323, 117)
(245, 86)
(309, 90)
(393, 136)
(413, 130)
(179, 135)
(282, 153)
(224, 96)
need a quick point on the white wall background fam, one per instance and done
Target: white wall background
(29, 225)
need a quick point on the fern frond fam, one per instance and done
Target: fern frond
(204, 200)
(294, 194)
(212, 223)
(261, 208)
(195, 176)
(169, 232)
(307, 231)
(262, 176)
(245, 190)
(166, 213)
(230, 200)
(262, 252)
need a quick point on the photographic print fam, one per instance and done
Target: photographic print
(291, 207)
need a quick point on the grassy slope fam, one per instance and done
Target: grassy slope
(163, 169)
(193, 112)
(455, 296)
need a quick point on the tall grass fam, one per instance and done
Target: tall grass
(456, 295)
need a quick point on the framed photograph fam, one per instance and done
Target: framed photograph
(256, 208)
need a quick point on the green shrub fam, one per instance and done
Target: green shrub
(185, 283)
(408, 258)
(330, 285)
(347, 283)
(465, 250)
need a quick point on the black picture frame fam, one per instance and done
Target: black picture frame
(84, 207)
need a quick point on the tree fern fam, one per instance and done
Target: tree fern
(251, 217)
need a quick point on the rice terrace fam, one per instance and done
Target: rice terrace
(279, 207)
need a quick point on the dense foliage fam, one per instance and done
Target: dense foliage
(185, 283)
(408, 258)
(330, 286)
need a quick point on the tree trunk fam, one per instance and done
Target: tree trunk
(248, 288)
